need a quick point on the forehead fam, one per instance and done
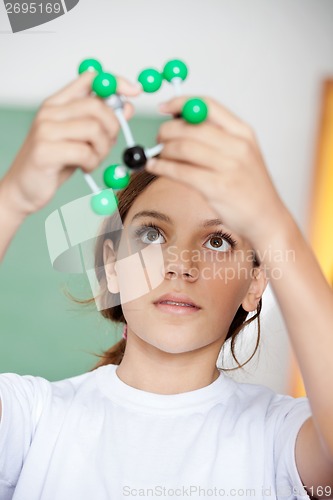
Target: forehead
(179, 201)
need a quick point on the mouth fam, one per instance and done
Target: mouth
(176, 304)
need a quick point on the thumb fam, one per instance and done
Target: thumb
(80, 87)
(128, 88)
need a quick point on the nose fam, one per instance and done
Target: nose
(175, 269)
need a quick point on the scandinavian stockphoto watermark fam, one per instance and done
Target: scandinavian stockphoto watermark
(226, 266)
(24, 15)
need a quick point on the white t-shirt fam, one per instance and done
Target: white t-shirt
(93, 437)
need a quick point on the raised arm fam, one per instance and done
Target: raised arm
(71, 129)
(222, 160)
(10, 219)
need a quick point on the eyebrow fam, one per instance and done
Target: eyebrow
(167, 219)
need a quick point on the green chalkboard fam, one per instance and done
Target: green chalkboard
(42, 332)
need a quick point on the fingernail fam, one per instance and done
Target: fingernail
(163, 106)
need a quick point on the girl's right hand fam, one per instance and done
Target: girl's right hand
(71, 129)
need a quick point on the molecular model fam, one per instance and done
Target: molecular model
(135, 157)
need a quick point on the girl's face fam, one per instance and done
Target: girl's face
(208, 263)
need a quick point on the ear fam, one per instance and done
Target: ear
(109, 258)
(256, 289)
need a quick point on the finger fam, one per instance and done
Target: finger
(71, 154)
(80, 87)
(84, 130)
(217, 114)
(87, 107)
(128, 88)
(128, 110)
(66, 173)
(206, 133)
(192, 152)
(185, 173)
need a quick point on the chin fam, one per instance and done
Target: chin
(179, 346)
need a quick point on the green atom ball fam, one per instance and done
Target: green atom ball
(104, 85)
(104, 203)
(175, 69)
(116, 176)
(195, 111)
(90, 65)
(150, 79)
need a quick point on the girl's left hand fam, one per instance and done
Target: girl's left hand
(221, 159)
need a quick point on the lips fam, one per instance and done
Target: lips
(177, 299)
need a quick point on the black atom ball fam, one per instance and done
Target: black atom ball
(135, 157)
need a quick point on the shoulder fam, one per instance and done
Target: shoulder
(34, 392)
(22, 388)
(273, 407)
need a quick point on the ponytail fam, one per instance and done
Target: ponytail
(113, 356)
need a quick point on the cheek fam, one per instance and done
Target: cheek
(131, 279)
(226, 285)
(139, 273)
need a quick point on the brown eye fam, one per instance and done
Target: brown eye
(219, 243)
(216, 242)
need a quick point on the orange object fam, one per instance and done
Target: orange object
(321, 209)
(321, 216)
(296, 385)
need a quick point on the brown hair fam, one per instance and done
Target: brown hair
(126, 197)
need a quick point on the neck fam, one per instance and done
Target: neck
(149, 369)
